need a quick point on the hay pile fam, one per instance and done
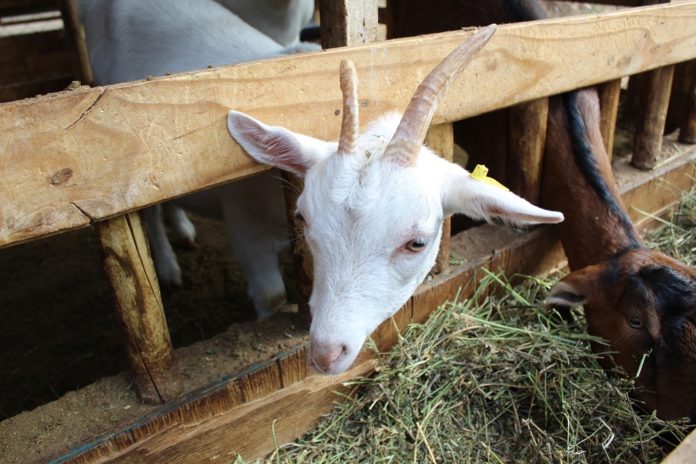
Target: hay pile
(496, 379)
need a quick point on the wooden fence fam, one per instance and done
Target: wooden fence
(95, 156)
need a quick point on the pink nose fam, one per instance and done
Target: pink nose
(323, 355)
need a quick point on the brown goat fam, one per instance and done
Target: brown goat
(641, 301)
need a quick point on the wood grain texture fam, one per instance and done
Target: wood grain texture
(222, 431)
(609, 93)
(134, 144)
(132, 276)
(526, 150)
(348, 22)
(684, 453)
(650, 125)
(687, 131)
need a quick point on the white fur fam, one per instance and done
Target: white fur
(133, 39)
(360, 212)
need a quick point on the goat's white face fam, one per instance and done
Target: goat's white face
(373, 214)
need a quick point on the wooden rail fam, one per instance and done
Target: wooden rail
(128, 146)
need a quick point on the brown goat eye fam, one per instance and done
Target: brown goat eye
(416, 245)
(635, 323)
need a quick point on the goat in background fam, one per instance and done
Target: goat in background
(133, 39)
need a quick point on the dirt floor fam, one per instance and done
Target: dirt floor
(60, 334)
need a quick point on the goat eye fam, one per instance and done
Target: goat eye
(635, 323)
(416, 245)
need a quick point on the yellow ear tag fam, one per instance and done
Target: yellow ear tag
(480, 173)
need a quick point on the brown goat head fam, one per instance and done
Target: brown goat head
(644, 304)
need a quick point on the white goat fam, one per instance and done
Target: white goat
(281, 20)
(132, 39)
(373, 207)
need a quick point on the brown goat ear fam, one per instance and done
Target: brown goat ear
(576, 288)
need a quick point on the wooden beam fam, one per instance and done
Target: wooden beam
(347, 22)
(340, 26)
(609, 93)
(441, 140)
(526, 150)
(78, 41)
(687, 131)
(135, 144)
(684, 453)
(132, 276)
(650, 125)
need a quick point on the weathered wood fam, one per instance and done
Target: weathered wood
(17, 7)
(526, 150)
(687, 131)
(650, 125)
(78, 41)
(609, 93)
(684, 453)
(441, 140)
(347, 22)
(132, 276)
(135, 144)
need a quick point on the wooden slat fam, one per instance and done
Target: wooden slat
(650, 124)
(609, 93)
(441, 140)
(526, 150)
(132, 276)
(135, 144)
(42, 55)
(687, 131)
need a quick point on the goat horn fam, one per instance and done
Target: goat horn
(408, 138)
(350, 125)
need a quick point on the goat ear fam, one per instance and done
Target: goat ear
(577, 288)
(277, 146)
(480, 200)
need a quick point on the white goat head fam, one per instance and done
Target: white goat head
(373, 206)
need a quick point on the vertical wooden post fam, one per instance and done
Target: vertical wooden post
(76, 36)
(653, 93)
(526, 150)
(687, 131)
(441, 140)
(347, 22)
(343, 22)
(609, 93)
(132, 275)
(651, 120)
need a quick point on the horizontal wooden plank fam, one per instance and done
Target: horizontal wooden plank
(130, 145)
